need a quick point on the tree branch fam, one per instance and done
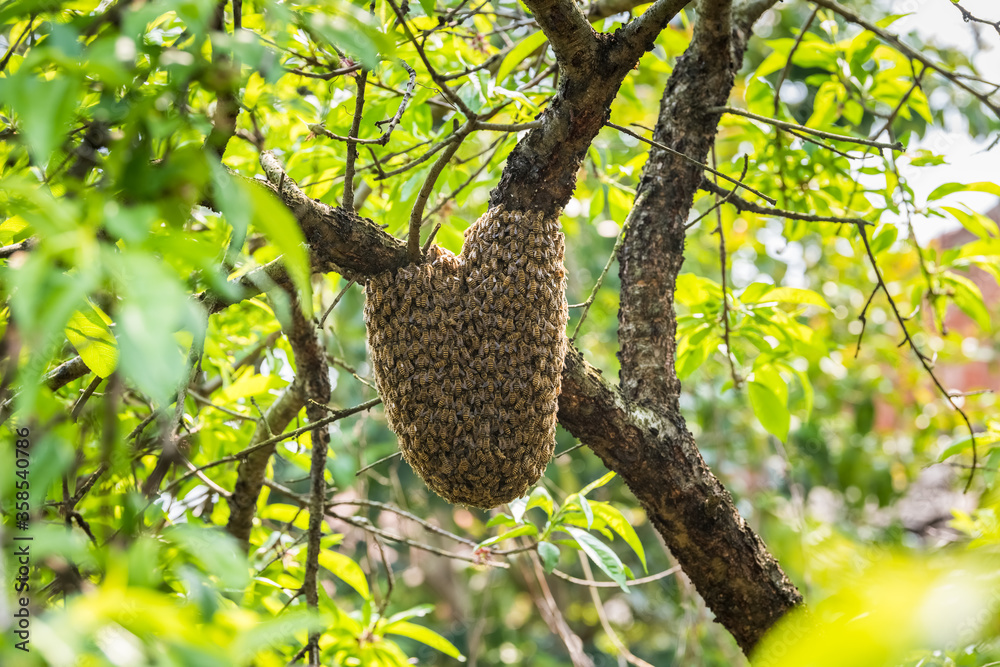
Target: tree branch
(339, 240)
(658, 459)
(650, 447)
(744, 205)
(251, 472)
(572, 38)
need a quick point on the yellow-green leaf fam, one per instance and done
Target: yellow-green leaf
(426, 636)
(271, 217)
(89, 333)
(617, 522)
(770, 410)
(797, 295)
(347, 570)
(519, 53)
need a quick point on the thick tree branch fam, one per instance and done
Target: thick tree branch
(339, 240)
(657, 458)
(540, 174)
(651, 258)
(728, 564)
(252, 470)
(572, 38)
(637, 37)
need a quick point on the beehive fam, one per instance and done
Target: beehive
(467, 352)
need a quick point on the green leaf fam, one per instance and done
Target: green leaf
(45, 106)
(517, 55)
(540, 498)
(517, 509)
(501, 520)
(600, 553)
(618, 523)
(597, 483)
(428, 6)
(975, 222)
(693, 290)
(153, 308)
(520, 531)
(355, 31)
(418, 611)
(549, 553)
(425, 636)
(766, 374)
(926, 158)
(771, 411)
(346, 570)
(585, 506)
(968, 297)
(797, 295)
(755, 292)
(215, 551)
(88, 332)
(884, 239)
(982, 439)
(950, 188)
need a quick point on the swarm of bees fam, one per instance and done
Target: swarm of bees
(468, 354)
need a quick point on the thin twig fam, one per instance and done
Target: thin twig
(600, 280)
(336, 300)
(430, 239)
(744, 205)
(863, 318)
(417, 214)
(406, 515)
(84, 397)
(613, 584)
(788, 62)
(924, 360)
(725, 288)
(603, 616)
(241, 455)
(352, 146)
(367, 525)
(898, 146)
(449, 94)
(375, 463)
(718, 202)
(909, 52)
(670, 150)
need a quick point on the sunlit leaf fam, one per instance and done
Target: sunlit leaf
(88, 332)
(601, 554)
(771, 411)
(347, 570)
(424, 636)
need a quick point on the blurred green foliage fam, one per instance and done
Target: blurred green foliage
(820, 434)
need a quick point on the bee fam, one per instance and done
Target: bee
(536, 380)
(427, 338)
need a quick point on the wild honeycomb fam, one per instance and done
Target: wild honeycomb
(467, 352)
